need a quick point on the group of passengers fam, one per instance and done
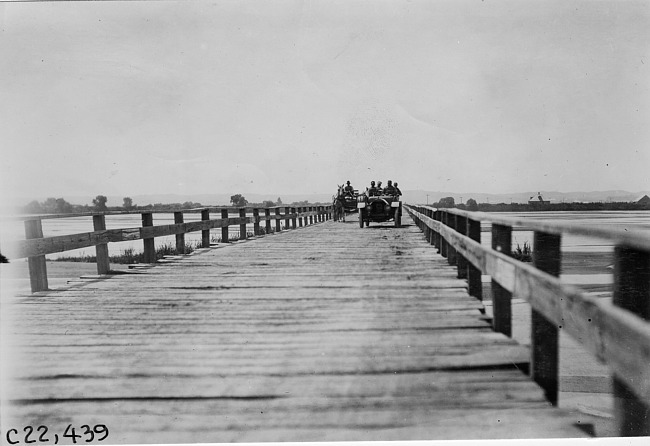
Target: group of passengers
(390, 189)
(373, 191)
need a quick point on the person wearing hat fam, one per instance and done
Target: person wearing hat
(349, 188)
(389, 189)
(380, 190)
(373, 190)
(397, 191)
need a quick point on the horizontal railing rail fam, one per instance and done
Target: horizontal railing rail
(139, 211)
(36, 246)
(617, 333)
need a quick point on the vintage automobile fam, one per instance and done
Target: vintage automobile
(379, 208)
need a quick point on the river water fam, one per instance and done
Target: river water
(639, 220)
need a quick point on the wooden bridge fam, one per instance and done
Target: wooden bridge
(325, 332)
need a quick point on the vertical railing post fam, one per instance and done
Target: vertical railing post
(101, 251)
(436, 235)
(631, 292)
(444, 217)
(432, 234)
(451, 251)
(443, 242)
(224, 227)
(461, 262)
(300, 211)
(180, 238)
(293, 218)
(278, 226)
(428, 234)
(36, 264)
(420, 222)
(287, 218)
(256, 221)
(267, 221)
(545, 334)
(205, 233)
(311, 217)
(242, 225)
(149, 242)
(501, 298)
(473, 273)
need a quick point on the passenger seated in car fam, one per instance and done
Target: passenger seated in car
(373, 190)
(397, 191)
(389, 189)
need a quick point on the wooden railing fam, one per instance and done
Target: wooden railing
(35, 247)
(617, 333)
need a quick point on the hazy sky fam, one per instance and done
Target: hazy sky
(127, 98)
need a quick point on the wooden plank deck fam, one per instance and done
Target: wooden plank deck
(328, 332)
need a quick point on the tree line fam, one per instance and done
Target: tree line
(61, 206)
(472, 205)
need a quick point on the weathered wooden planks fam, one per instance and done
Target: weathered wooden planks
(323, 333)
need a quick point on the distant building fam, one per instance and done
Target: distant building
(539, 202)
(645, 200)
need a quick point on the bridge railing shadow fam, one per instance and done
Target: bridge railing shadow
(35, 246)
(617, 333)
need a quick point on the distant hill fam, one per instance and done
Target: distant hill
(420, 196)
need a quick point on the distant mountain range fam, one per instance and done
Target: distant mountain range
(420, 196)
(409, 196)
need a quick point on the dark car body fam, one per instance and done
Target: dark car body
(379, 208)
